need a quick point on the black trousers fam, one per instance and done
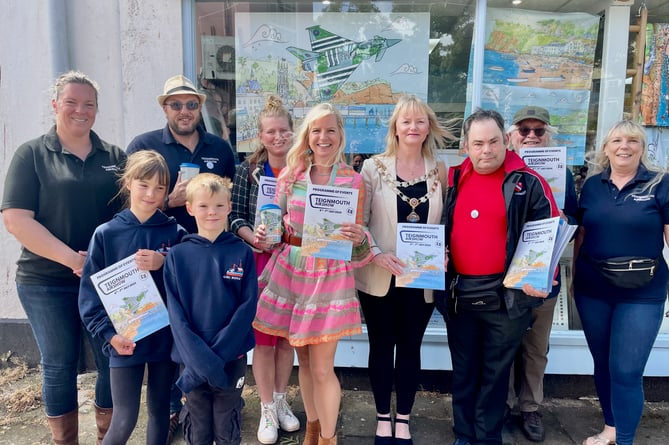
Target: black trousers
(214, 415)
(395, 327)
(126, 386)
(483, 346)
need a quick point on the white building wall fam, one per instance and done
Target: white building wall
(130, 47)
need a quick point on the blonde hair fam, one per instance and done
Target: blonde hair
(300, 155)
(143, 164)
(436, 137)
(600, 161)
(210, 182)
(273, 108)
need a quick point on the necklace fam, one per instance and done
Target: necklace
(395, 185)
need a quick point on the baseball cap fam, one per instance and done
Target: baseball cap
(532, 112)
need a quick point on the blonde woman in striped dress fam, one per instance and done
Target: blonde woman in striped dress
(312, 301)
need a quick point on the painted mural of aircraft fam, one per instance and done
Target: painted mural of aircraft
(334, 58)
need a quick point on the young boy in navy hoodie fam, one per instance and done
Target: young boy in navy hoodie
(212, 290)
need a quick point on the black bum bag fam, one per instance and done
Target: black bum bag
(478, 292)
(626, 272)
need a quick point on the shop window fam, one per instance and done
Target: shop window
(217, 33)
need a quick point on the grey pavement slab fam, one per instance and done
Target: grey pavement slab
(567, 421)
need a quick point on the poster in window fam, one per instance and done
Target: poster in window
(361, 65)
(543, 59)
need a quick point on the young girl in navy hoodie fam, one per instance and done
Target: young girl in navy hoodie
(143, 230)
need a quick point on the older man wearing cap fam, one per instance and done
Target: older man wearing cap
(531, 128)
(183, 140)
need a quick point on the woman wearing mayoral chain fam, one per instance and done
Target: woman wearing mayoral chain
(403, 184)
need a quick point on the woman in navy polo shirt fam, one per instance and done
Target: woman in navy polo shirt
(623, 212)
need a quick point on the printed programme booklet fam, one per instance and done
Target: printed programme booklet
(327, 207)
(538, 253)
(266, 191)
(131, 299)
(551, 164)
(421, 248)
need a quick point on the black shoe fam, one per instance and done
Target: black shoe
(533, 426)
(383, 440)
(399, 441)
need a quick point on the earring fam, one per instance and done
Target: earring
(310, 151)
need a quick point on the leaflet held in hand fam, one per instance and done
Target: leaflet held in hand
(131, 299)
(421, 249)
(538, 253)
(327, 207)
(551, 164)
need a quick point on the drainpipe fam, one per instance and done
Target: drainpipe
(58, 37)
(479, 47)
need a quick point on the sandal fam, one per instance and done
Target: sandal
(598, 439)
(383, 440)
(401, 441)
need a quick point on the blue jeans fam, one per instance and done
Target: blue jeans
(620, 337)
(53, 312)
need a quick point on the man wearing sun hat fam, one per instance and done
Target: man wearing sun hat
(531, 128)
(183, 140)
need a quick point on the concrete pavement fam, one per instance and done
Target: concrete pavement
(567, 420)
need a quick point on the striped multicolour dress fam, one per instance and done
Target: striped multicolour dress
(311, 300)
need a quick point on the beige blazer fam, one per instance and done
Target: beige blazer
(380, 217)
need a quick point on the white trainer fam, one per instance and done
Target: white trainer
(287, 420)
(268, 429)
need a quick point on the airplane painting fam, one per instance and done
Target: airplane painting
(333, 58)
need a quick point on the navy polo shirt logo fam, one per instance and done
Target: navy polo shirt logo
(110, 168)
(642, 198)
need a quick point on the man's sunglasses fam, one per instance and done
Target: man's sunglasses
(525, 131)
(190, 105)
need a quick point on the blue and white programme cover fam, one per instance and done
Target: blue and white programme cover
(538, 252)
(131, 299)
(421, 248)
(327, 207)
(551, 164)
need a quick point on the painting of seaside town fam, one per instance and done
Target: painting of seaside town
(655, 94)
(360, 65)
(544, 59)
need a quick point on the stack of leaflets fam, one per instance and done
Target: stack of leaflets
(538, 253)
(131, 299)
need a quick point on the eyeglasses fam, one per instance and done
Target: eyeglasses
(525, 131)
(190, 105)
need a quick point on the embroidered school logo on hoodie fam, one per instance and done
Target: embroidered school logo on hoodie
(164, 249)
(236, 272)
